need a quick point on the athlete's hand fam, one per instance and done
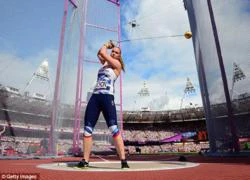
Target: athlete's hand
(109, 44)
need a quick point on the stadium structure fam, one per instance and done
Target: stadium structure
(25, 123)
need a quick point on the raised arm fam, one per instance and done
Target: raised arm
(100, 57)
(115, 63)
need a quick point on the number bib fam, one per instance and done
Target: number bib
(101, 85)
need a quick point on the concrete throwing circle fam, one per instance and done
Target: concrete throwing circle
(116, 166)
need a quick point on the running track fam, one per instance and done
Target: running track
(210, 168)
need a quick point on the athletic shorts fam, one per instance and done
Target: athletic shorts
(100, 103)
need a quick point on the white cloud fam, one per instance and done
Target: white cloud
(233, 25)
(17, 71)
(164, 63)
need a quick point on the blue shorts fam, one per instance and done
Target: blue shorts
(100, 103)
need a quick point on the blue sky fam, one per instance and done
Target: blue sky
(30, 32)
(29, 26)
(163, 63)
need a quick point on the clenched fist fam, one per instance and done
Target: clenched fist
(109, 44)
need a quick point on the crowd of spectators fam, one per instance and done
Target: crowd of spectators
(27, 121)
(155, 132)
(169, 147)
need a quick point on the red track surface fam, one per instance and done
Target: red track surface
(210, 168)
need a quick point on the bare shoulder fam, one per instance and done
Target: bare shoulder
(117, 72)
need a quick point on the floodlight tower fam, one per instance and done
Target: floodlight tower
(41, 73)
(144, 90)
(143, 93)
(238, 75)
(188, 90)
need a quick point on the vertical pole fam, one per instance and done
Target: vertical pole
(182, 100)
(52, 135)
(232, 90)
(80, 105)
(202, 76)
(207, 105)
(78, 99)
(119, 40)
(224, 79)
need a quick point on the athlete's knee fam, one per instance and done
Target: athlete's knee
(114, 130)
(87, 131)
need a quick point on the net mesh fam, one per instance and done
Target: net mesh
(100, 21)
(232, 27)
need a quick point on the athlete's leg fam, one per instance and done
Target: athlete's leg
(119, 144)
(91, 116)
(109, 113)
(87, 146)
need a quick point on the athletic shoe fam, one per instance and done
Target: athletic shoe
(124, 164)
(83, 164)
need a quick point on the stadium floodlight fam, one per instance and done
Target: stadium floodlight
(43, 70)
(144, 90)
(238, 75)
(189, 89)
(144, 97)
(41, 73)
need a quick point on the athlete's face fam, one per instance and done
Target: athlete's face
(116, 53)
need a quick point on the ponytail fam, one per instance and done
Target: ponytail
(121, 60)
(122, 64)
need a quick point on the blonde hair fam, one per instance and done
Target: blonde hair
(122, 64)
(121, 60)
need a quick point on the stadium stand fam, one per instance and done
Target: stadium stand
(26, 123)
